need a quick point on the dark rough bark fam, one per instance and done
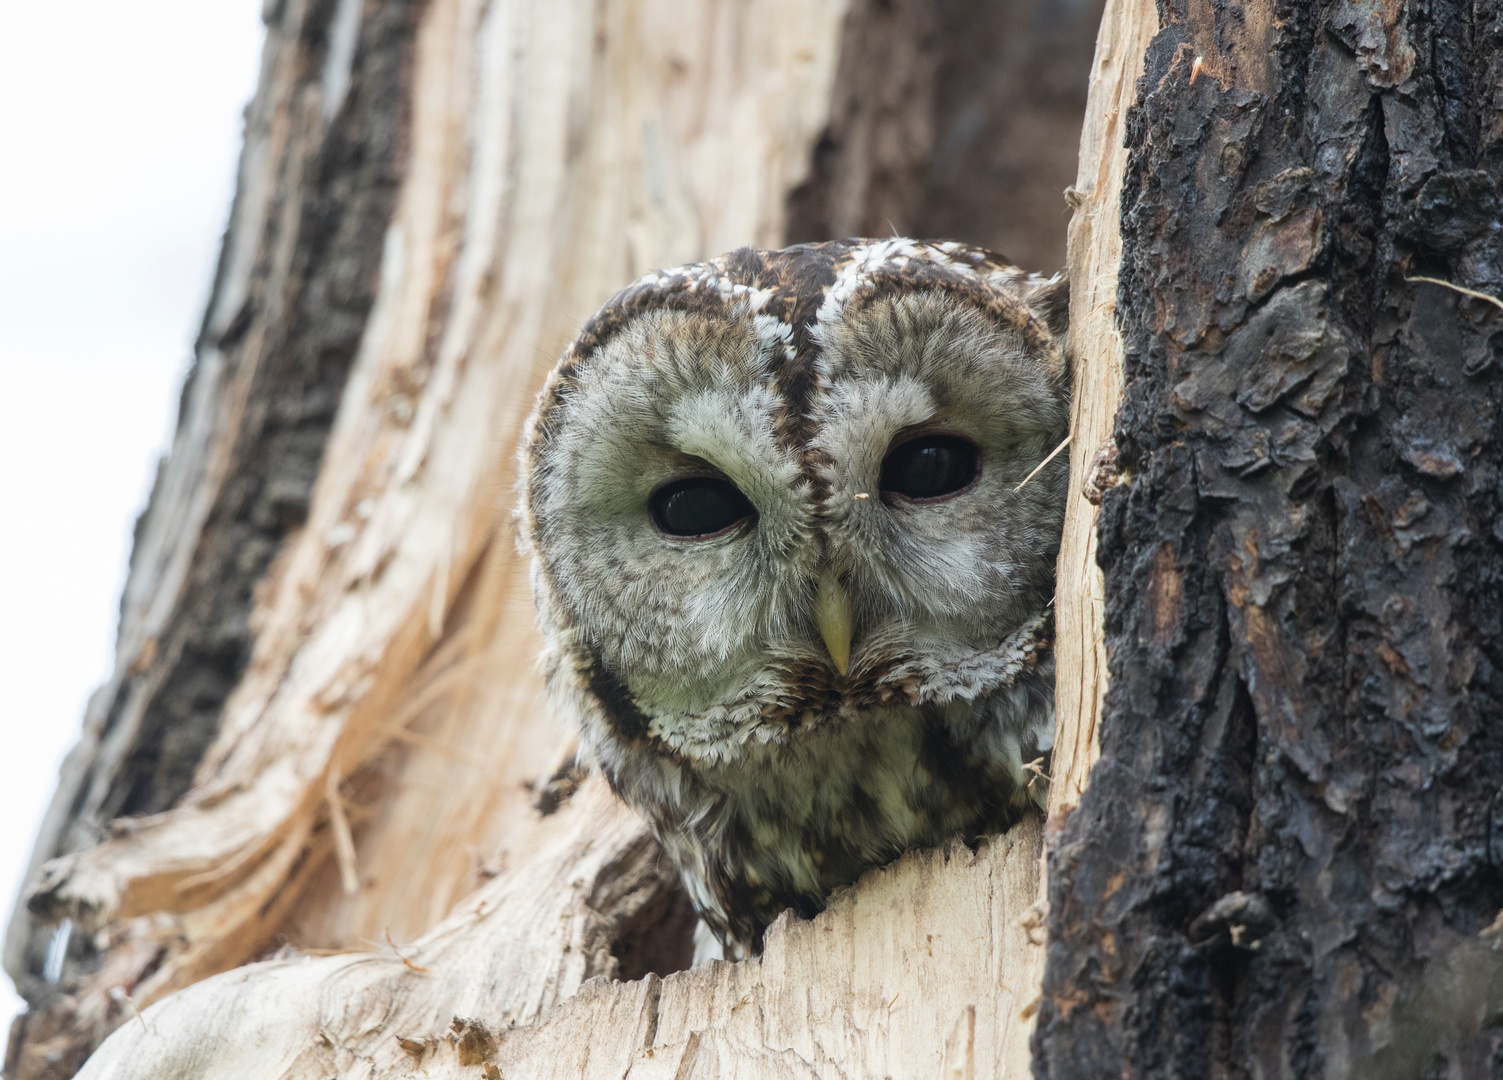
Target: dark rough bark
(954, 120)
(1288, 859)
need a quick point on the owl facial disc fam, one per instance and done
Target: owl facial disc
(791, 587)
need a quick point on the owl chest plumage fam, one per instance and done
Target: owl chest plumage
(782, 820)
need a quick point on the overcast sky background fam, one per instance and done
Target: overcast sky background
(121, 126)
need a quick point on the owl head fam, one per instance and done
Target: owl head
(768, 492)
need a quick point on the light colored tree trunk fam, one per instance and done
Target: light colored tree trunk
(385, 808)
(1095, 251)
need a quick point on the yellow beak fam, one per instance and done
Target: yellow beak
(832, 614)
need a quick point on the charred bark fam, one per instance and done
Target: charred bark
(1287, 862)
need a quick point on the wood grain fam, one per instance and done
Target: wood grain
(910, 973)
(1095, 247)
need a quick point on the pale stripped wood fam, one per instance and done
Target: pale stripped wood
(1095, 253)
(528, 217)
(909, 974)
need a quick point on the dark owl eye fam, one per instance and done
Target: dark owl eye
(698, 507)
(930, 467)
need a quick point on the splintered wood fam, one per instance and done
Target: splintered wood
(911, 973)
(402, 604)
(377, 800)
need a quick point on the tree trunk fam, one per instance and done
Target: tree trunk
(324, 745)
(324, 734)
(1285, 863)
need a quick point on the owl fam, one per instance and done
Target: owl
(792, 584)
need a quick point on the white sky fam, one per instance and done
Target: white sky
(119, 132)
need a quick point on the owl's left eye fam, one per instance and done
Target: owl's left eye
(698, 507)
(930, 468)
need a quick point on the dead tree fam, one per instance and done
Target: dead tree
(323, 746)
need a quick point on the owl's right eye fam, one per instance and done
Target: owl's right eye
(698, 508)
